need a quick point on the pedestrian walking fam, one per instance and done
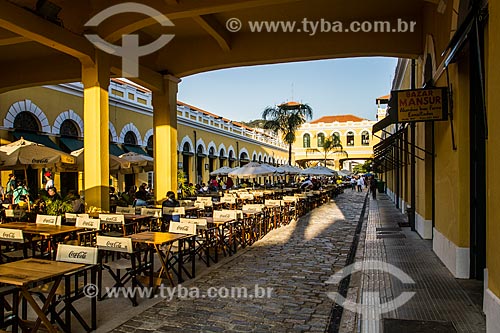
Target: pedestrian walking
(373, 187)
(360, 183)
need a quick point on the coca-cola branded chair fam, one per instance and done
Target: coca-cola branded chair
(13, 245)
(132, 260)
(78, 284)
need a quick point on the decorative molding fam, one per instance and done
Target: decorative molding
(28, 106)
(188, 140)
(149, 134)
(67, 115)
(130, 127)
(112, 130)
(201, 143)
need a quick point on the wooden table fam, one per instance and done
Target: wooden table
(30, 272)
(231, 244)
(46, 231)
(156, 240)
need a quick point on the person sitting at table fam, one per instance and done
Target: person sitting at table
(76, 202)
(20, 195)
(170, 202)
(141, 197)
(53, 195)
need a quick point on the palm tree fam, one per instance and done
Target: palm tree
(333, 144)
(286, 119)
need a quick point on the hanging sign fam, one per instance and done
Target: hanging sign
(420, 104)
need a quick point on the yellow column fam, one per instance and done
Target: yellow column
(165, 138)
(95, 78)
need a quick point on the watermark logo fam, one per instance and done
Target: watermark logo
(371, 307)
(130, 50)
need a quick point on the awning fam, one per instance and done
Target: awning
(135, 149)
(187, 153)
(71, 144)
(212, 157)
(244, 160)
(390, 119)
(459, 39)
(222, 158)
(38, 138)
(115, 150)
(201, 155)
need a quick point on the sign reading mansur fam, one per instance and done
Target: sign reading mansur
(422, 104)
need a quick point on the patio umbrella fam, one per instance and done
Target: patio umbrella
(344, 173)
(318, 171)
(288, 170)
(115, 164)
(138, 162)
(252, 170)
(23, 153)
(223, 171)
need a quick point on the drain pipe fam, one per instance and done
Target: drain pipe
(412, 213)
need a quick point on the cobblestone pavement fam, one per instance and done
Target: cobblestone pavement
(439, 298)
(295, 261)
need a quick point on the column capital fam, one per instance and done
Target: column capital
(172, 78)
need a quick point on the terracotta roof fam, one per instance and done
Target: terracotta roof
(382, 98)
(130, 83)
(291, 103)
(340, 118)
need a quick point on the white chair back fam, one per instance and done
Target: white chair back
(11, 235)
(246, 196)
(155, 212)
(228, 199)
(253, 207)
(117, 244)
(112, 218)
(199, 205)
(77, 254)
(88, 223)
(290, 199)
(274, 203)
(15, 213)
(48, 219)
(207, 201)
(185, 203)
(222, 215)
(202, 223)
(182, 228)
(73, 217)
(125, 210)
(172, 210)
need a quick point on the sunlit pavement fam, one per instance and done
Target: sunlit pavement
(295, 261)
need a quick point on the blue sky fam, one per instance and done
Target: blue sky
(330, 87)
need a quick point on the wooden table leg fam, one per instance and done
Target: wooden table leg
(42, 318)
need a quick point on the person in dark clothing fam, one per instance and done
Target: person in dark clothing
(373, 187)
(170, 202)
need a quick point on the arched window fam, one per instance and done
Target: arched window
(365, 138)
(186, 148)
(265, 159)
(321, 139)
(350, 138)
(69, 128)
(260, 158)
(150, 143)
(211, 152)
(254, 158)
(243, 156)
(27, 122)
(337, 135)
(199, 151)
(130, 138)
(307, 141)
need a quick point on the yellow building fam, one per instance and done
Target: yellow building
(52, 115)
(354, 134)
(450, 179)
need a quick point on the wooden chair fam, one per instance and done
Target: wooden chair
(114, 225)
(15, 248)
(73, 287)
(125, 210)
(206, 240)
(129, 260)
(48, 219)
